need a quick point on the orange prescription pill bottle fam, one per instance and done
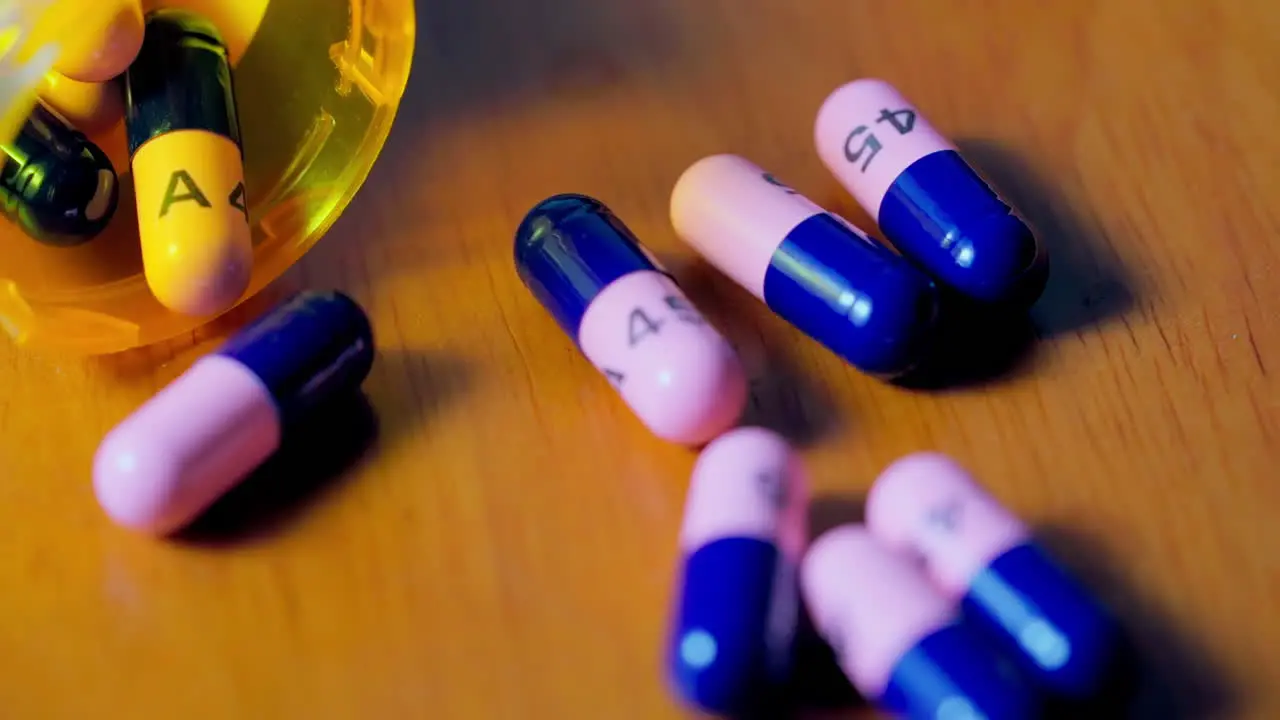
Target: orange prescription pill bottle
(315, 103)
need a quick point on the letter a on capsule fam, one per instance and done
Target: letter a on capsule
(630, 319)
(188, 169)
(734, 631)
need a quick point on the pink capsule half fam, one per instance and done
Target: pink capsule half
(678, 375)
(899, 640)
(186, 447)
(925, 197)
(737, 611)
(676, 372)
(927, 504)
(815, 270)
(982, 556)
(870, 603)
(208, 430)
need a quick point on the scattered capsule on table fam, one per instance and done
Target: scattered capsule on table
(738, 608)
(56, 184)
(630, 319)
(210, 428)
(113, 52)
(814, 269)
(188, 169)
(901, 642)
(927, 200)
(978, 552)
(89, 107)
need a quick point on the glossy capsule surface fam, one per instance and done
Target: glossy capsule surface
(210, 428)
(982, 555)
(899, 640)
(188, 170)
(630, 319)
(926, 198)
(737, 612)
(57, 186)
(814, 269)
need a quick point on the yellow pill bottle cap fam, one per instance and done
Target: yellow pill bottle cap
(316, 101)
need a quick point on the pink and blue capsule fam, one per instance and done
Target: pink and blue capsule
(734, 632)
(814, 269)
(208, 430)
(927, 200)
(901, 643)
(985, 558)
(631, 320)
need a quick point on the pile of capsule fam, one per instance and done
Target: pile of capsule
(169, 76)
(942, 606)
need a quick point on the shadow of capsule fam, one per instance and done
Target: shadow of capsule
(1163, 673)
(313, 459)
(1087, 281)
(974, 345)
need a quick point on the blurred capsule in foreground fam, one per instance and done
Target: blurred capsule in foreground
(188, 169)
(815, 270)
(210, 428)
(738, 604)
(927, 200)
(977, 551)
(89, 107)
(113, 52)
(631, 320)
(899, 640)
(56, 185)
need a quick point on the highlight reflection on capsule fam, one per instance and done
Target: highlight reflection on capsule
(925, 197)
(814, 269)
(56, 184)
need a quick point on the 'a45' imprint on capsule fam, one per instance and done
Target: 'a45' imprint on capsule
(190, 192)
(904, 121)
(641, 325)
(945, 517)
(773, 485)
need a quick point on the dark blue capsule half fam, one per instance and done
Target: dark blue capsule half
(1041, 616)
(952, 674)
(940, 213)
(735, 627)
(56, 185)
(570, 247)
(181, 80)
(307, 350)
(860, 300)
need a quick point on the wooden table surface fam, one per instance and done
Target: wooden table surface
(493, 536)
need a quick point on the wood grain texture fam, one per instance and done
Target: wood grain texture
(493, 536)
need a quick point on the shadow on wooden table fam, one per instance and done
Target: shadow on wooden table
(974, 346)
(1175, 678)
(1087, 283)
(321, 453)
